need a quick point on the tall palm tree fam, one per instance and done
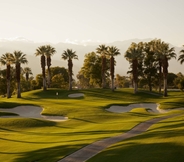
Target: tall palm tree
(181, 57)
(18, 58)
(49, 52)
(102, 50)
(150, 63)
(157, 43)
(69, 55)
(28, 72)
(134, 55)
(112, 51)
(41, 51)
(167, 54)
(6, 60)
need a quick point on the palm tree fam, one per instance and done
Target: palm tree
(181, 57)
(112, 51)
(18, 58)
(41, 51)
(150, 63)
(69, 55)
(102, 50)
(134, 55)
(6, 60)
(167, 54)
(158, 56)
(28, 72)
(49, 52)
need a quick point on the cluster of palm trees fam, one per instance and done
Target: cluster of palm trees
(106, 51)
(158, 52)
(17, 58)
(46, 52)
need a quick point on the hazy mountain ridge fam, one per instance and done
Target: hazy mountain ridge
(29, 48)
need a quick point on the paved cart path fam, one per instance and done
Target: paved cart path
(91, 150)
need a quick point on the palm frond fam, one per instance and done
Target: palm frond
(181, 58)
(69, 54)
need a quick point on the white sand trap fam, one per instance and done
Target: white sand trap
(152, 106)
(31, 112)
(75, 95)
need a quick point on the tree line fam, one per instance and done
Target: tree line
(149, 63)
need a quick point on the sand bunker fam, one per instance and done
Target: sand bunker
(75, 95)
(153, 107)
(31, 112)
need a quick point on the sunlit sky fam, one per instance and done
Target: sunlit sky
(97, 20)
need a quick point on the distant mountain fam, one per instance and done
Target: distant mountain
(81, 48)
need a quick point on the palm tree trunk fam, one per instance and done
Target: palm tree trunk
(70, 65)
(18, 90)
(112, 72)
(103, 72)
(44, 80)
(18, 80)
(49, 78)
(49, 73)
(160, 77)
(8, 89)
(165, 87)
(70, 82)
(43, 72)
(165, 72)
(8, 81)
(135, 64)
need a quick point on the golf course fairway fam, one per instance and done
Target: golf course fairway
(35, 139)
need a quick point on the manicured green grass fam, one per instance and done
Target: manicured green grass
(31, 140)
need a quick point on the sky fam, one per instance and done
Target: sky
(92, 20)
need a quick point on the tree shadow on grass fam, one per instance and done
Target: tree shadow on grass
(169, 125)
(49, 154)
(137, 152)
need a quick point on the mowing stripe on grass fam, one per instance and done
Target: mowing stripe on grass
(91, 150)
